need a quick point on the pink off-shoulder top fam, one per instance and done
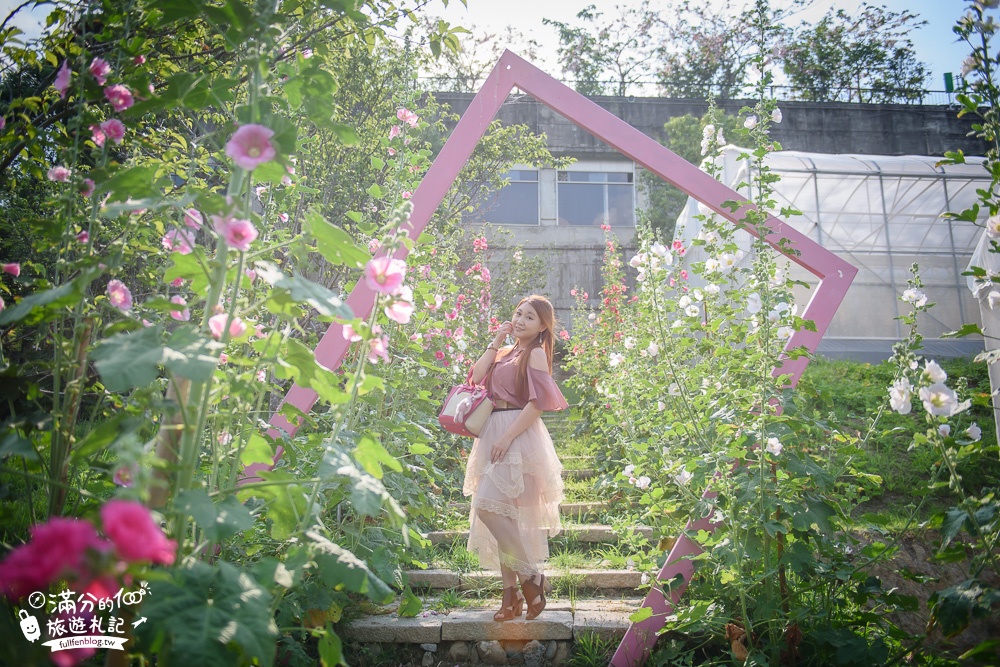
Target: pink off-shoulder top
(542, 389)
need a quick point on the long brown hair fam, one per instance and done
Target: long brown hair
(545, 339)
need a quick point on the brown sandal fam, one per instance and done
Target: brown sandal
(510, 606)
(534, 594)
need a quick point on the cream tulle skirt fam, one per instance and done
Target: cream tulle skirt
(525, 488)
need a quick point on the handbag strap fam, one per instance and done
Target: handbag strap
(489, 373)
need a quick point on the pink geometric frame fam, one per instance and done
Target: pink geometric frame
(834, 274)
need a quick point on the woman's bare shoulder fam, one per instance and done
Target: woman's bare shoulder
(539, 359)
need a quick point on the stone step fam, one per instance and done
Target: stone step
(567, 509)
(583, 473)
(591, 533)
(588, 579)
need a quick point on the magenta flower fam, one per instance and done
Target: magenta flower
(399, 311)
(407, 117)
(135, 535)
(63, 77)
(2, 305)
(177, 282)
(406, 194)
(57, 549)
(378, 347)
(3, 122)
(395, 131)
(179, 240)
(193, 218)
(180, 315)
(120, 296)
(139, 60)
(87, 187)
(114, 130)
(217, 326)
(59, 174)
(100, 68)
(13, 269)
(119, 97)
(250, 146)
(385, 274)
(236, 232)
(83, 236)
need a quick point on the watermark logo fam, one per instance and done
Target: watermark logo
(81, 620)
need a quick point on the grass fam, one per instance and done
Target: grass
(590, 650)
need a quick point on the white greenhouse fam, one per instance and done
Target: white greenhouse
(882, 214)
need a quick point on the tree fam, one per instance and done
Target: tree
(463, 69)
(867, 58)
(608, 57)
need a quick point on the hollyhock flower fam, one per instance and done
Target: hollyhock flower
(479, 244)
(177, 282)
(439, 355)
(974, 432)
(13, 269)
(692, 311)
(406, 194)
(684, 477)
(914, 296)
(751, 122)
(616, 359)
(378, 347)
(385, 274)
(193, 218)
(944, 430)
(993, 226)
(59, 174)
(83, 237)
(394, 132)
(100, 68)
(564, 334)
(258, 331)
(629, 469)
(993, 298)
(653, 349)
(236, 232)
(135, 535)
(251, 146)
(139, 60)
(283, 217)
(114, 130)
(87, 187)
(776, 116)
(3, 122)
(217, 326)
(119, 97)
(939, 400)
(900, 395)
(63, 77)
(933, 373)
(969, 64)
(251, 274)
(125, 475)
(407, 117)
(399, 311)
(754, 303)
(120, 296)
(178, 240)
(97, 135)
(183, 315)
(643, 482)
(57, 549)
(774, 446)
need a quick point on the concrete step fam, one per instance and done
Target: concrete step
(585, 579)
(591, 533)
(566, 509)
(560, 621)
(583, 473)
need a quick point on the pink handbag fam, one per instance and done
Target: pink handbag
(466, 409)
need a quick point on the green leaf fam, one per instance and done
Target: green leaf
(331, 651)
(257, 450)
(133, 183)
(966, 330)
(220, 520)
(190, 268)
(209, 615)
(14, 444)
(326, 302)
(817, 513)
(190, 354)
(368, 495)
(40, 306)
(339, 568)
(641, 614)
(372, 455)
(420, 449)
(335, 244)
(954, 608)
(122, 428)
(129, 360)
(347, 134)
(286, 501)
(410, 605)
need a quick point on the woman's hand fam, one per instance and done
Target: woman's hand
(505, 330)
(500, 447)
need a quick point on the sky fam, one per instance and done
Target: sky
(935, 44)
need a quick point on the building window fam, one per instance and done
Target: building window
(514, 204)
(596, 197)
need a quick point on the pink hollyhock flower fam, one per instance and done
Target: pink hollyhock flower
(217, 326)
(392, 151)
(178, 240)
(223, 358)
(2, 305)
(378, 347)
(125, 475)
(350, 334)
(63, 77)
(236, 232)
(373, 246)
(180, 315)
(114, 130)
(250, 146)
(135, 535)
(407, 194)
(395, 131)
(193, 219)
(83, 237)
(564, 334)
(87, 187)
(120, 296)
(100, 68)
(139, 60)
(59, 174)
(283, 217)
(177, 282)
(97, 135)
(57, 549)
(259, 331)
(3, 122)
(251, 274)
(439, 355)
(407, 117)
(13, 269)
(119, 97)
(399, 311)
(385, 274)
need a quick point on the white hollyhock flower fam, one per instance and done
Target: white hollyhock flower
(754, 303)
(629, 469)
(684, 301)
(692, 311)
(776, 116)
(974, 432)
(653, 349)
(713, 289)
(684, 477)
(616, 359)
(914, 296)
(944, 430)
(933, 373)
(774, 446)
(939, 400)
(661, 406)
(629, 343)
(751, 122)
(637, 260)
(993, 226)
(711, 265)
(900, 395)
(643, 482)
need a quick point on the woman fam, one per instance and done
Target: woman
(514, 475)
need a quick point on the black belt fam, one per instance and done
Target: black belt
(505, 409)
